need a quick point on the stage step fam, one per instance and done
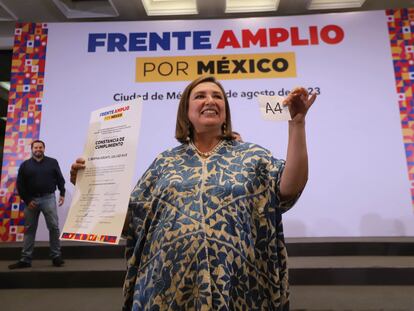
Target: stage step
(352, 270)
(302, 298)
(358, 246)
(311, 262)
(401, 246)
(73, 250)
(366, 262)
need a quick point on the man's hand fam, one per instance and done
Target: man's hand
(32, 205)
(61, 200)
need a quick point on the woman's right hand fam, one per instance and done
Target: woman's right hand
(75, 167)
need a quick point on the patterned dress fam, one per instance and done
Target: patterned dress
(206, 234)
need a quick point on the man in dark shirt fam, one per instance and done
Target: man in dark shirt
(37, 180)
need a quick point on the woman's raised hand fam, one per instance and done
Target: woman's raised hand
(299, 102)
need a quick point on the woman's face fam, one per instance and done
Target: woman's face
(207, 110)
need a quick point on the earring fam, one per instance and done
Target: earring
(224, 127)
(188, 133)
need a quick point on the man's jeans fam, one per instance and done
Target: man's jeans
(46, 205)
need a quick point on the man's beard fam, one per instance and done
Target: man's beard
(38, 154)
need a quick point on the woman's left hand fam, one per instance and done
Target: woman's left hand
(299, 102)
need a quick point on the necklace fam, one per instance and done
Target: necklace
(208, 153)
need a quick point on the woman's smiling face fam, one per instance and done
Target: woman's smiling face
(207, 110)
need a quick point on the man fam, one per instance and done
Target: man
(37, 180)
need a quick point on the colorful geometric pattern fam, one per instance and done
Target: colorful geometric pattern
(23, 121)
(207, 234)
(401, 32)
(109, 239)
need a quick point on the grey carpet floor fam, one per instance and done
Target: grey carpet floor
(303, 298)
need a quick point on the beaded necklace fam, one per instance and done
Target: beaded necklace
(208, 153)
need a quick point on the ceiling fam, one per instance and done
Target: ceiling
(133, 10)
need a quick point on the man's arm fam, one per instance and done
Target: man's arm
(60, 184)
(21, 185)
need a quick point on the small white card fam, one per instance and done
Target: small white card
(272, 108)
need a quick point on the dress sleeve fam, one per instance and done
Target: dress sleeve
(139, 216)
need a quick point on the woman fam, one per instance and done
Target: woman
(205, 230)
